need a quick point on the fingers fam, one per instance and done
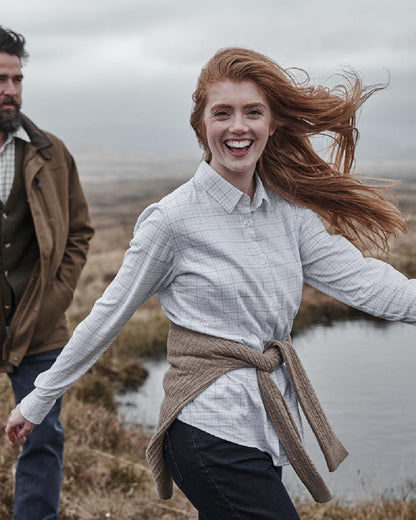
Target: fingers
(13, 434)
(17, 427)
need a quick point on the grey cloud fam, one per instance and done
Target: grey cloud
(125, 70)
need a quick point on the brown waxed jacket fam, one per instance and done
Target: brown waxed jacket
(63, 231)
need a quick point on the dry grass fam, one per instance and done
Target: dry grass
(105, 471)
(383, 508)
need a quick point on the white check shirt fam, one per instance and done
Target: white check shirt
(225, 267)
(7, 162)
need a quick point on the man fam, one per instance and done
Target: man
(44, 235)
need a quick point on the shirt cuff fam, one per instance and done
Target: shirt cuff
(34, 409)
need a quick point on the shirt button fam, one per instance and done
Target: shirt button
(263, 262)
(7, 306)
(248, 222)
(6, 273)
(5, 216)
(7, 245)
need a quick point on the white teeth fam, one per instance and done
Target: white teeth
(238, 144)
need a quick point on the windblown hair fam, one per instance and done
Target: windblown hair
(12, 43)
(289, 164)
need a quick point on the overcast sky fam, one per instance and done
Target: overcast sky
(120, 73)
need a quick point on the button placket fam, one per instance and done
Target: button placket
(247, 220)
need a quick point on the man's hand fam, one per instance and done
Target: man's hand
(18, 427)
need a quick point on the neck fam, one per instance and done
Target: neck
(251, 189)
(243, 182)
(246, 185)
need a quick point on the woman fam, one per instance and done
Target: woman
(227, 254)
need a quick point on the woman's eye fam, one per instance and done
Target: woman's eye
(221, 114)
(255, 112)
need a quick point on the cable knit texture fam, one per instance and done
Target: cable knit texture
(196, 360)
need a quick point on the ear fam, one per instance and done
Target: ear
(272, 128)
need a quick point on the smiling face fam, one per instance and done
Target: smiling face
(237, 123)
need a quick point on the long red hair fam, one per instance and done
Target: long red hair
(289, 164)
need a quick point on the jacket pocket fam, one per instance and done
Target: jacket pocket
(51, 317)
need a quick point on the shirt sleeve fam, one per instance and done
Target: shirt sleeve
(147, 267)
(334, 266)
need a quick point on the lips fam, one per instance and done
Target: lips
(9, 104)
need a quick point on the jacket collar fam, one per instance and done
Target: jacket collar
(38, 139)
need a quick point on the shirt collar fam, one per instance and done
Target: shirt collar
(227, 195)
(20, 133)
(260, 194)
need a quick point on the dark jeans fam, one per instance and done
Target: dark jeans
(223, 480)
(40, 463)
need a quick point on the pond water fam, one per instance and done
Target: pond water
(364, 375)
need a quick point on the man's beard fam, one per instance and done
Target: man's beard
(9, 122)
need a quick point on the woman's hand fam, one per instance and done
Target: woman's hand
(18, 427)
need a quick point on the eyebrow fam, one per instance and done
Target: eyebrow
(249, 105)
(16, 76)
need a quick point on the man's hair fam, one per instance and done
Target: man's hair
(12, 43)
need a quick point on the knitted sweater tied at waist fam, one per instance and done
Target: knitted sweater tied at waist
(197, 360)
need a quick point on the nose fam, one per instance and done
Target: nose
(10, 89)
(238, 124)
